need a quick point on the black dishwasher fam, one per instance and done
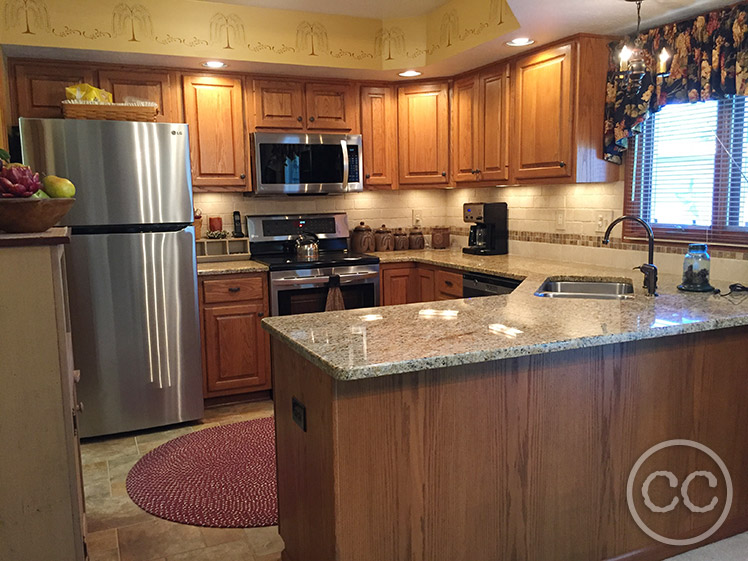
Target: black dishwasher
(476, 284)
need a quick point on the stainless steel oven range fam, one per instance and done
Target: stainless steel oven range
(299, 283)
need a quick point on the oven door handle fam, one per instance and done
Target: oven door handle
(344, 146)
(344, 279)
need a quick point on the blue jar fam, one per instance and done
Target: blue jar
(696, 266)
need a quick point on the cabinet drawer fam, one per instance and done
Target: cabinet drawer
(448, 284)
(233, 290)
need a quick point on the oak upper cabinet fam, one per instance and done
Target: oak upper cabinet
(559, 105)
(379, 137)
(492, 149)
(330, 107)
(543, 108)
(464, 140)
(313, 106)
(235, 347)
(423, 134)
(278, 104)
(40, 88)
(159, 87)
(214, 110)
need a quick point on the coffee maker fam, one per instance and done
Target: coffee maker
(489, 234)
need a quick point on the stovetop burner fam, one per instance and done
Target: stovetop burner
(287, 262)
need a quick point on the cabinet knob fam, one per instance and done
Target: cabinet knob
(477, 171)
(311, 119)
(299, 119)
(562, 164)
(368, 176)
(260, 314)
(76, 376)
(79, 408)
(234, 289)
(444, 174)
(243, 176)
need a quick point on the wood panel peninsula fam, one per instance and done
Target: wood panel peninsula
(506, 427)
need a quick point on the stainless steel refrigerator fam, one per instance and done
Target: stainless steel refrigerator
(130, 267)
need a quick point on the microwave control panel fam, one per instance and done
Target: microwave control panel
(353, 169)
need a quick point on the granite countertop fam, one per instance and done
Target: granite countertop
(366, 343)
(230, 267)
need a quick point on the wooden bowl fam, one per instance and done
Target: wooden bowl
(25, 216)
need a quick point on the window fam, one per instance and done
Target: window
(688, 173)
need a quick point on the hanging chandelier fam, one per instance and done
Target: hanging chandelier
(633, 66)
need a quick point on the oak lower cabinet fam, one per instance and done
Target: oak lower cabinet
(407, 283)
(379, 137)
(236, 355)
(38, 89)
(423, 134)
(41, 488)
(161, 87)
(214, 111)
(304, 106)
(559, 105)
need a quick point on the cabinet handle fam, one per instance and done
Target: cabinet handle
(562, 164)
(260, 314)
(299, 119)
(444, 174)
(368, 176)
(311, 119)
(78, 408)
(448, 283)
(243, 176)
(477, 171)
(76, 376)
(234, 289)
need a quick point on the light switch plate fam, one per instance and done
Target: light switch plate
(417, 217)
(560, 219)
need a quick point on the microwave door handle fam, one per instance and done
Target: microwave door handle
(344, 146)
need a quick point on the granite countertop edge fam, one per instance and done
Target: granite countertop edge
(474, 357)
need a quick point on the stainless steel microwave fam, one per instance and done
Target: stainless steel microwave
(306, 164)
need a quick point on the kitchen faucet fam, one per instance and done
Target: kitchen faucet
(649, 270)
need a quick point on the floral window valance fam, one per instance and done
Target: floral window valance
(710, 61)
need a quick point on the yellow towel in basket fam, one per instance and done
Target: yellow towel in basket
(86, 92)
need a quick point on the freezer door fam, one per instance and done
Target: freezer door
(124, 172)
(136, 336)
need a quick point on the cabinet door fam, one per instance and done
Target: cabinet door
(160, 87)
(330, 107)
(40, 89)
(423, 134)
(279, 105)
(397, 285)
(493, 125)
(235, 347)
(425, 277)
(213, 109)
(465, 130)
(543, 125)
(379, 137)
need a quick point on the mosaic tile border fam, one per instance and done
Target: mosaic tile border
(596, 241)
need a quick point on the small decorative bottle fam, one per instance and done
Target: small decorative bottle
(696, 266)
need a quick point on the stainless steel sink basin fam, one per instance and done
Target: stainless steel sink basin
(586, 288)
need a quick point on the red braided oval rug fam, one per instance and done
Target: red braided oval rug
(222, 477)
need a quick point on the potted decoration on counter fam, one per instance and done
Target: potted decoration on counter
(28, 203)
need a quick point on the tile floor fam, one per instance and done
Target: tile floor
(120, 531)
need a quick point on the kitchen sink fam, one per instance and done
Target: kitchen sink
(554, 287)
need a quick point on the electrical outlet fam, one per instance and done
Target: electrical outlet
(604, 218)
(560, 220)
(417, 217)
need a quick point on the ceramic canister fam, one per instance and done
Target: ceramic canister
(384, 240)
(362, 239)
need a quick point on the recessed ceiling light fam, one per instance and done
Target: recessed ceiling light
(409, 74)
(214, 64)
(520, 42)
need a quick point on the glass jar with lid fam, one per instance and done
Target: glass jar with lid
(696, 266)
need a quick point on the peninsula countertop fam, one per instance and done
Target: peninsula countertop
(367, 343)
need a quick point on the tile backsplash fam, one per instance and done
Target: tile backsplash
(531, 208)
